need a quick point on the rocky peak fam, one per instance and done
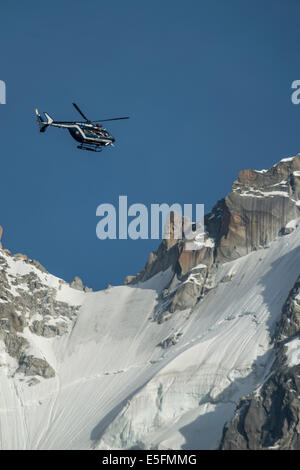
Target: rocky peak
(257, 210)
(261, 206)
(77, 284)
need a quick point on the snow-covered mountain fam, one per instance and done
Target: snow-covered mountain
(200, 350)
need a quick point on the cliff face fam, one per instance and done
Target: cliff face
(258, 209)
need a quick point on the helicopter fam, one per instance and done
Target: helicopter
(90, 135)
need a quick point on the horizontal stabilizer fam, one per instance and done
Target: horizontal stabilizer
(49, 118)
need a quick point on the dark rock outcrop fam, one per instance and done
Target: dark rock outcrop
(30, 365)
(270, 417)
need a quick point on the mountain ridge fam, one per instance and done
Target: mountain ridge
(169, 360)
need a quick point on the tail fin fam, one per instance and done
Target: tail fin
(43, 125)
(49, 118)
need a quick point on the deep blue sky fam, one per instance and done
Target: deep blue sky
(207, 86)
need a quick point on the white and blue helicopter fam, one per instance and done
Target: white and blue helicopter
(90, 136)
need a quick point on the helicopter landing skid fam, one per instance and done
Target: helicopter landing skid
(91, 149)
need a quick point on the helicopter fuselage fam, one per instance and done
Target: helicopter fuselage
(87, 134)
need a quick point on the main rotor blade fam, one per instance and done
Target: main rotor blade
(80, 112)
(112, 119)
(69, 122)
